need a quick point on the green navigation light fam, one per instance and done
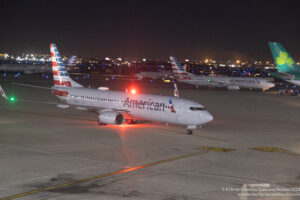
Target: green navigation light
(12, 99)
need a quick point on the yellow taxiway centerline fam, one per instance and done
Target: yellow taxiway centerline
(102, 176)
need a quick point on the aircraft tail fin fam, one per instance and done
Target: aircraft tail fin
(71, 61)
(60, 74)
(283, 60)
(178, 70)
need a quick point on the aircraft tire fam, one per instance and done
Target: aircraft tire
(189, 131)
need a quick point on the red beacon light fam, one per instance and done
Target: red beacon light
(133, 91)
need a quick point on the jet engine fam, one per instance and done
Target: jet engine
(111, 117)
(233, 87)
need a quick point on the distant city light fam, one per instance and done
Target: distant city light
(186, 60)
(107, 58)
(144, 59)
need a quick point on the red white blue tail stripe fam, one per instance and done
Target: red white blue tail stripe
(60, 74)
(171, 106)
(178, 70)
(72, 62)
(177, 67)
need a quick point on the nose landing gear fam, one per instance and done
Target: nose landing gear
(190, 129)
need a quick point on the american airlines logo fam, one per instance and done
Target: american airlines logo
(145, 105)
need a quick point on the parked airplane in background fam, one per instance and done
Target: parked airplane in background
(231, 83)
(153, 75)
(33, 69)
(26, 69)
(71, 62)
(114, 107)
(287, 68)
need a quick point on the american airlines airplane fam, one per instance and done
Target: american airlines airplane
(114, 107)
(231, 83)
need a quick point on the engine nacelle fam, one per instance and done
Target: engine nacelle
(233, 87)
(111, 117)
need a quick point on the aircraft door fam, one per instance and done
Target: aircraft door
(77, 100)
(176, 107)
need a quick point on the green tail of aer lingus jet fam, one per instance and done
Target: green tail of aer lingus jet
(288, 69)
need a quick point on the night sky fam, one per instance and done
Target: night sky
(223, 30)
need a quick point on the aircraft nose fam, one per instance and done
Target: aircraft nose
(269, 85)
(207, 117)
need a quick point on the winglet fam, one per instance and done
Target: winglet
(176, 93)
(3, 93)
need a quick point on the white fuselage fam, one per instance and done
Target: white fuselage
(225, 81)
(139, 106)
(295, 82)
(153, 75)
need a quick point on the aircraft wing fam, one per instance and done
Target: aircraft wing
(218, 83)
(3, 93)
(34, 86)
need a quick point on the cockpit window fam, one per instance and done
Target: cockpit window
(197, 108)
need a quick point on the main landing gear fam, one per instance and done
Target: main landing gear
(100, 123)
(189, 131)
